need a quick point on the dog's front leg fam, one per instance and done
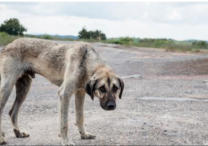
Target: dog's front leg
(79, 104)
(65, 94)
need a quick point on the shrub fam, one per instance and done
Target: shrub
(200, 44)
(95, 35)
(12, 27)
(46, 36)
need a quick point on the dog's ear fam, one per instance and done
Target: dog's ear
(121, 86)
(90, 88)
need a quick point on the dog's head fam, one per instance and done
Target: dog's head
(107, 87)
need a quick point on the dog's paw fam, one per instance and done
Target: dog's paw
(87, 136)
(20, 134)
(2, 141)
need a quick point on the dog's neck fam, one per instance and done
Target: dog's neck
(96, 65)
(101, 68)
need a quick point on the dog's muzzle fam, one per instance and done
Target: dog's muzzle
(109, 105)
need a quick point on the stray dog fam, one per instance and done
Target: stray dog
(75, 68)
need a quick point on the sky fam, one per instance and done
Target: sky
(176, 20)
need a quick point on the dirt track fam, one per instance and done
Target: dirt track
(165, 102)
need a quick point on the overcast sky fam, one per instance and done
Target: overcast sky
(177, 20)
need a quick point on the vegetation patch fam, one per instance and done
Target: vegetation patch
(91, 35)
(6, 38)
(168, 44)
(11, 29)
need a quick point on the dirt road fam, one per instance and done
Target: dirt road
(165, 102)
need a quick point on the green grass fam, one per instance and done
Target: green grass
(168, 44)
(5, 38)
(48, 37)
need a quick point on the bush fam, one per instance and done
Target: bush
(12, 27)
(200, 44)
(95, 35)
(126, 40)
(46, 36)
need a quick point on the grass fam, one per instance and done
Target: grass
(168, 44)
(49, 37)
(5, 38)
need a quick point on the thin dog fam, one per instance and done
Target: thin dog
(74, 68)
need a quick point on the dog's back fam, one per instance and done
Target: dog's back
(45, 57)
(28, 46)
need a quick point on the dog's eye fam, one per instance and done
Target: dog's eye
(114, 88)
(102, 89)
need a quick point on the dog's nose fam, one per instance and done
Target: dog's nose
(111, 105)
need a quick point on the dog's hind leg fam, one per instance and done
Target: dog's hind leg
(79, 106)
(22, 88)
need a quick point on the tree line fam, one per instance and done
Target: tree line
(12, 26)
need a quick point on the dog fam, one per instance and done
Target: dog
(75, 68)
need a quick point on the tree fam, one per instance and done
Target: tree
(83, 34)
(103, 36)
(13, 27)
(95, 35)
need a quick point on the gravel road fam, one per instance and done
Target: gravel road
(164, 102)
